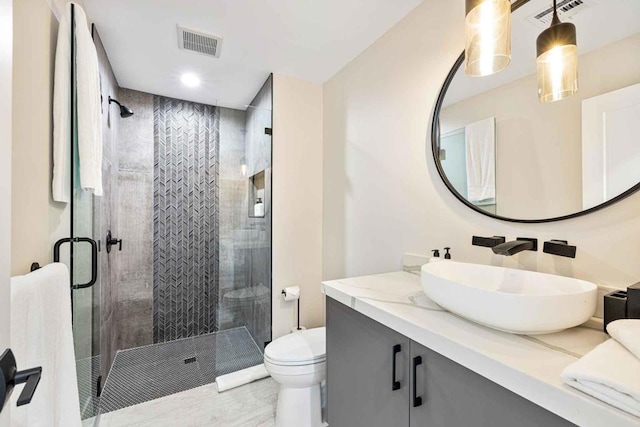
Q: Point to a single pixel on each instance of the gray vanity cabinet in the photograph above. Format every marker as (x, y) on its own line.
(452, 395)
(446, 394)
(360, 376)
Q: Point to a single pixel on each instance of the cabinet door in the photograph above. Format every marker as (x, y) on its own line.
(452, 395)
(360, 374)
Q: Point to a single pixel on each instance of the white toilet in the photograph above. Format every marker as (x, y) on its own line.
(298, 363)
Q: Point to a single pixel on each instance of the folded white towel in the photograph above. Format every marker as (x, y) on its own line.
(627, 333)
(609, 373)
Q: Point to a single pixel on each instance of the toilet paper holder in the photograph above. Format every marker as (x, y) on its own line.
(297, 299)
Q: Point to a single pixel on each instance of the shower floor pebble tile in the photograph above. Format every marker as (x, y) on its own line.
(145, 373)
(252, 405)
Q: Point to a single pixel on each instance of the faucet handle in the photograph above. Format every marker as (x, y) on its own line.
(488, 242)
(560, 248)
(436, 253)
(447, 255)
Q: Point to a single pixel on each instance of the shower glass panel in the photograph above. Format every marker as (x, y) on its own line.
(244, 306)
(191, 200)
(85, 301)
(83, 262)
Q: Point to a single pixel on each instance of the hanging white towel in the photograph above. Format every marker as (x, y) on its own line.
(609, 373)
(88, 104)
(480, 142)
(627, 333)
(41, 335)
(61, 184)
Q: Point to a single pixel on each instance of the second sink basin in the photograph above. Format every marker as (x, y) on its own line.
(515, 301)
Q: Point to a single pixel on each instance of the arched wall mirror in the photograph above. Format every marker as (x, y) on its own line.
(506, 155)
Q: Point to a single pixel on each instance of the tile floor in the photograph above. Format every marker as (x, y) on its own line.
(146, 373)
(88, 371)
(252, 405)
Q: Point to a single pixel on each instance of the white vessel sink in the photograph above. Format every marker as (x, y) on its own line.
(515, 301)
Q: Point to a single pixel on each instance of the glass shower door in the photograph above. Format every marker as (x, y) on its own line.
(85, 300)
(83, 265)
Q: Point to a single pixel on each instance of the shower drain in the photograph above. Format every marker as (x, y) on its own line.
(189, 360)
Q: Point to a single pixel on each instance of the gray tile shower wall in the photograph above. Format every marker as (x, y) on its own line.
(134, 276)
(233, 267)
(105, 298)
(258, 144)
(185, 221)
(249, 302)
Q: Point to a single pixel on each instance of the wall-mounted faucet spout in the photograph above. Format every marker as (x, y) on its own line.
(516, 246)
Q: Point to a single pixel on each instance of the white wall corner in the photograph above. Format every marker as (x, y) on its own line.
(297, 201)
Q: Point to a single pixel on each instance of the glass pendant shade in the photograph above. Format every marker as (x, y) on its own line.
(557, 62)
(488, 36)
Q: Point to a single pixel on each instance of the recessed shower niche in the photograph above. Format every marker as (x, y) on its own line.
(257, 193)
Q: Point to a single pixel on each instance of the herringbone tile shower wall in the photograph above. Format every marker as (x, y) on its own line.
(185, 219)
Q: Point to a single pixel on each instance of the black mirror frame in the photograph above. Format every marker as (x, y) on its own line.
(435, 147)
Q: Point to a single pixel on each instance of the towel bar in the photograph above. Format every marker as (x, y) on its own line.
(11, 377)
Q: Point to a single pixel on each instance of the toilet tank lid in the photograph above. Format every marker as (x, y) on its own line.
(297, 347)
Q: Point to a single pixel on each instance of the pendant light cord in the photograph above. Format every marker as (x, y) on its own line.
(555, 20)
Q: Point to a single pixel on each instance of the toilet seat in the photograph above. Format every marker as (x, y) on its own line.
(313, 369)
(298, 349)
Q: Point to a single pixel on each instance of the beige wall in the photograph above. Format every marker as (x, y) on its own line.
(382, 195)
(297, 200)
(6, 44)
(37, 220)
(544, 141)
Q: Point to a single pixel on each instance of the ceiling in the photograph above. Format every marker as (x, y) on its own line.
(600, 23)
(307, 39)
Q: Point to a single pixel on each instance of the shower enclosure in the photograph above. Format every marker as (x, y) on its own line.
(182, 290)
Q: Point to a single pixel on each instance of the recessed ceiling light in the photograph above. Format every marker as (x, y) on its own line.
(190, 80)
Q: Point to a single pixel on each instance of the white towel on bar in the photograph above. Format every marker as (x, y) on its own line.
(627, 333)
(480, 142)
(89, 109)
(41, 335)
(609, 373)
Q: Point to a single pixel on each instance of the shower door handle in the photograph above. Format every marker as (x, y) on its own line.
(94, 258)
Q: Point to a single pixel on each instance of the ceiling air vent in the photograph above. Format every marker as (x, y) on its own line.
(197, 41)
(566, 10)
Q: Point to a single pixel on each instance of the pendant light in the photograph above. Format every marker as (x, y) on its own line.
(557, 60)
(488, 36)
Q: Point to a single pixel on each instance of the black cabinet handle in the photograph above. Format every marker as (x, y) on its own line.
(395, 385)
(417, 400)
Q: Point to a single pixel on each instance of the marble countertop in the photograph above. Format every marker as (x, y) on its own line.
(529, 366)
